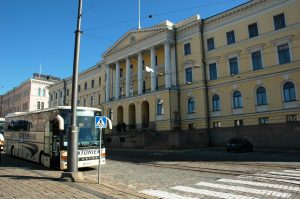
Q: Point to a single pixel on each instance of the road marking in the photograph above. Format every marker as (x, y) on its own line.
(245, 189)
(164, 194)
(270, 178)
(284, 173)
(211, 193)
(261, 184)
(276, 176)
(291, 171)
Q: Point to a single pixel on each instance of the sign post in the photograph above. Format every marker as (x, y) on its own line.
(100, 122)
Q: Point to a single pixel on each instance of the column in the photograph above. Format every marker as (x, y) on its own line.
(140, 73)
(127, 76)
(153, 67)
(117, 83)
(107, 88)
(167, 65)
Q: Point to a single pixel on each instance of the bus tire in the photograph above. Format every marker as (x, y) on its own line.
(41, 157)
(12, 151)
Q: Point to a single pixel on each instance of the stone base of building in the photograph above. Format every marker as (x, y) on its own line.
(270, 136)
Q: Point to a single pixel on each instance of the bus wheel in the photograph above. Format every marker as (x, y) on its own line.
(12, 151)
(41, 157)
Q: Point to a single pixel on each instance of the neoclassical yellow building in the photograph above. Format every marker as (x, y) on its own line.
(200, 81)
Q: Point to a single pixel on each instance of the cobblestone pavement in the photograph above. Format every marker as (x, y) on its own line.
(156, 179)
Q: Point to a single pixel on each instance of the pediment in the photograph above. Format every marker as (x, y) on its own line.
(133, 37)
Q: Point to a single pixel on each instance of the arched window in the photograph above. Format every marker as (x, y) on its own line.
(38, 105)
(39, 91)
(237, 100)
(216, 103)
(42, 105)
(191, 105)
(261, 96)
(160, 107)
(289, 92)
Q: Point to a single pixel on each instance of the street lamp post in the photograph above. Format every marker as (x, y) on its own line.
(72, 160)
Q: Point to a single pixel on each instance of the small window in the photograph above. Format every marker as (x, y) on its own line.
(38, 105)
(217, 124)
(279, 21)
(78, 102)
(99, 99)
(263, 120)
(216, 103)
(253, 31)
(191, 105)
(238, 123)
(210, 44)
(289, 92)
(99, 81)
(284, 54)
(68, 92)
(160, 108)
(261, 96)
(92, 83)
(156, 60)
(78, 88)
(84, 102)
(42, 105)
(85, 86)
(237, 100)
(60, 94)
(256, 60)
(213, 71)
(56, 95)
(230, 37)
(187, 49)
(233, 64)
(189, 75)
(191, 126)
(292, 118)
(92, 101)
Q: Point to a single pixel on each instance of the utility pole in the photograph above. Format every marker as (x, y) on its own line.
(72, 160)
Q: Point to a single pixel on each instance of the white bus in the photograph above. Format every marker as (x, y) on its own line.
(42, 136)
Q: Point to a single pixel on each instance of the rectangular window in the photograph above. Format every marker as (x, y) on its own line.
(144, 86)
(92, 83)
(233, 64)
(253, 30)
(56, 95)
(60, 94)
(238, 123)
(187, 49)
(279, 21)
(263, 120)
(156, 60)
(230, 37)
(68, 92)
(256, 60)
(284, 54)
(210, 44)
(99, 99)
(121, 72)
(213, 71)
(189, 75)
(99, 81)
(85, 86)
(78, 88)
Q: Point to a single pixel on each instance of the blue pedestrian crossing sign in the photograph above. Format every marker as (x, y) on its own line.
(100, 122)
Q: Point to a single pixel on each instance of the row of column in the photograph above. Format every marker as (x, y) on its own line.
(168, 80)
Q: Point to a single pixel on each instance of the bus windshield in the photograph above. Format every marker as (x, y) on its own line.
(88, 134)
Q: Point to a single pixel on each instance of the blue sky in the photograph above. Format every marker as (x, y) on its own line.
(41, 32)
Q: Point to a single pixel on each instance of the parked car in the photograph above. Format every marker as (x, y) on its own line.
(239, 145)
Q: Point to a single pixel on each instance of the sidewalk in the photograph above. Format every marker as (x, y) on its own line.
(21, 179)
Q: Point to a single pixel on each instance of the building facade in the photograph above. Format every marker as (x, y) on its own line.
(203, 81)
(30, 95)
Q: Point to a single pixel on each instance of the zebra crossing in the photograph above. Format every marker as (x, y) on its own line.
(273, 184)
